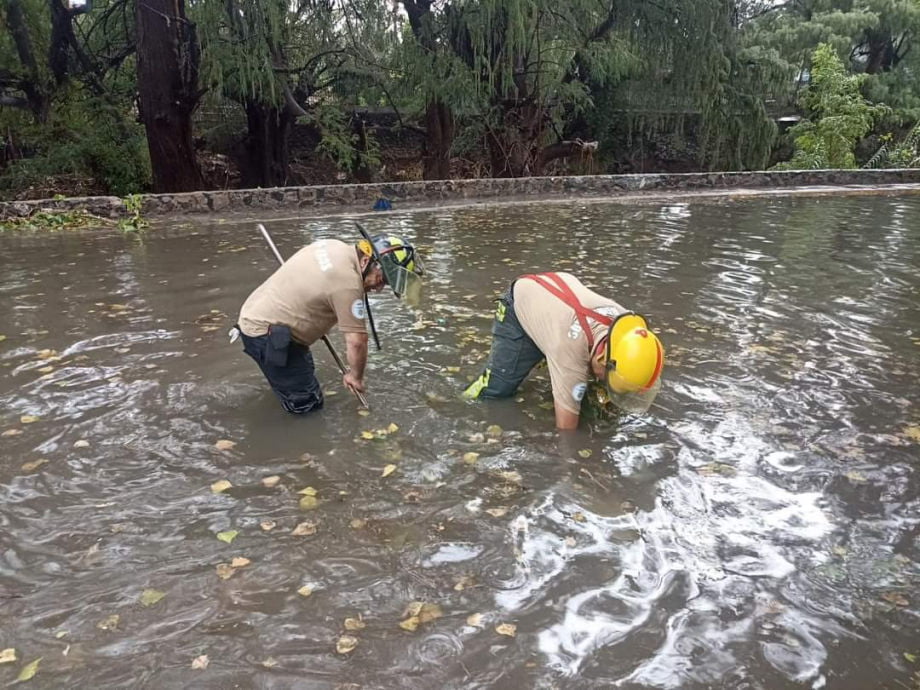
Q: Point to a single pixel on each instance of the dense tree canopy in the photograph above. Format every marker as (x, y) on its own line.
(115, 95)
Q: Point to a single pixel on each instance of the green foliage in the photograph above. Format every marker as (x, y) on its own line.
(84, 138)
(901, 154)
(339, 141)
(135, 221)
(837, 116)
(45, 220)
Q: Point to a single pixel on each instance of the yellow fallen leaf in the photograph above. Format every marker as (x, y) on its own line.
(304, 529)
(61, 633)
(268, 525)
(33, 465)
(200, 663)
(7, 655)
(388, 470)
(270, 482)
(47, 354)
(497, 512)
(149, 597)
(225, 571)
(470, 458)
(220, 486)
(392, 428)
(270, 662)
(224, 444)
(896, 598)
(2, 338)
(239, 562)
(355, 624)
(494, 430)
(367, 435)
(108, 623)
(28, 671)
(308, 503)
(82, 443)
(46, 370)
(305, 591)
(346, 644)
(464, 582)
(579, 517)
(364, 413)
(912, 432)
(309, 491)
(410, 623)
(452, 370)
(585, 452)
(228, 536)
(357, 523)
(11, 432)
(509, 629)
(475, 620)
(28, 419)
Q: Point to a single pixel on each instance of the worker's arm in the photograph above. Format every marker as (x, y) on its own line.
(565, 419)
(356, 354)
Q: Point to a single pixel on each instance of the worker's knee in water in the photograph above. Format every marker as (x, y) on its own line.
(301, 402)
(490, 385)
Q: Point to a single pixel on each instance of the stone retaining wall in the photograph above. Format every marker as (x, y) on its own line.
(322, 197)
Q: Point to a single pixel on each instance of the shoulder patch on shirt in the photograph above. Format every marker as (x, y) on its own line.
(357, 308)
(578, 391)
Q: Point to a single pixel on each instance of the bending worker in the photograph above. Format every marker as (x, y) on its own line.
(580, 334)
(324, 284)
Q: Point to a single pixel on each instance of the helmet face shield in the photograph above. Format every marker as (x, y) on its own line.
(633, 361)
(399, 262)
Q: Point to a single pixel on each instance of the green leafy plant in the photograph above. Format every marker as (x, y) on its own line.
(837, 116)
(135, 221)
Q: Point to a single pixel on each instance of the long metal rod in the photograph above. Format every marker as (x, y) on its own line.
(335, 355)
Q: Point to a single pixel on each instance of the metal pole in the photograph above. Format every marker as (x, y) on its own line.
(335, 355)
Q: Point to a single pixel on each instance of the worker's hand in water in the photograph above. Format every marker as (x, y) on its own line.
(353, 382)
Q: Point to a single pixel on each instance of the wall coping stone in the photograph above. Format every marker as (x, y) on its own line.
(323, 198)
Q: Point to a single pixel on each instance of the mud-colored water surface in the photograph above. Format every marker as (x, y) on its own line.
(757, 529)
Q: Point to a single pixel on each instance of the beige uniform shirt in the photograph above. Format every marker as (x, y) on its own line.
(556, 330)
(319, 286)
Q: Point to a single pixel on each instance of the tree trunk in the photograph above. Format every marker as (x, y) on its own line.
(32, 85)
(267, 146)
(439, 137)
(167, 82)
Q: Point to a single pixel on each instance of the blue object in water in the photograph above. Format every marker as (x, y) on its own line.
(382, 204)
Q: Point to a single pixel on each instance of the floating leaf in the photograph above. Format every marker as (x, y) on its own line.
(497, 512)
(355, 623)
(410, 624)
(305, 591)
(470, 458)
(304, 529)
(239, 562)
(268, 525)
(82, 443)
(452, 370)
(912, 658)
(33, 465)
(357, 523)
(271, 482)
(367, 435)
(11, 432)
(200, 663)
(309, 491)
(45, 370)
(2, 338)
(392, 428)
(225, 571)
(308, 503)
(912, 432)
(151, 596)
(856, 477)
(228, 536)
(109, 623)
(7, 655)
(474, 619)
(585, 452)
(494, 430)
(464, 582)
(364, 413)
(224, 444)
(579, 517)
(220, 486)
(28, 419)
(28, 671)
(388, 470)
(896, 598)
(509, 629)
(346, 644)
(270, 662)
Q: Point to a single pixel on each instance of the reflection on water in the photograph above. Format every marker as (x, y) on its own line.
(757, 530)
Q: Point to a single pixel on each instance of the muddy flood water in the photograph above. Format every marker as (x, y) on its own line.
(758, 528)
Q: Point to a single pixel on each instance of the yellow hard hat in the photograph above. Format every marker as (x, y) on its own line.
(634, 355)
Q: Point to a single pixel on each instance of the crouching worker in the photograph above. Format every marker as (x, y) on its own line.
(324, 284)
(581, 334)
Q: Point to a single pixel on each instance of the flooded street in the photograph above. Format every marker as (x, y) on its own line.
(757, 529)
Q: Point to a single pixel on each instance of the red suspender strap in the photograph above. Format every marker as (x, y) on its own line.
(556, 286)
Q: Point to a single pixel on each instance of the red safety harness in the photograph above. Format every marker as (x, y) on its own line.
(556, 286)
